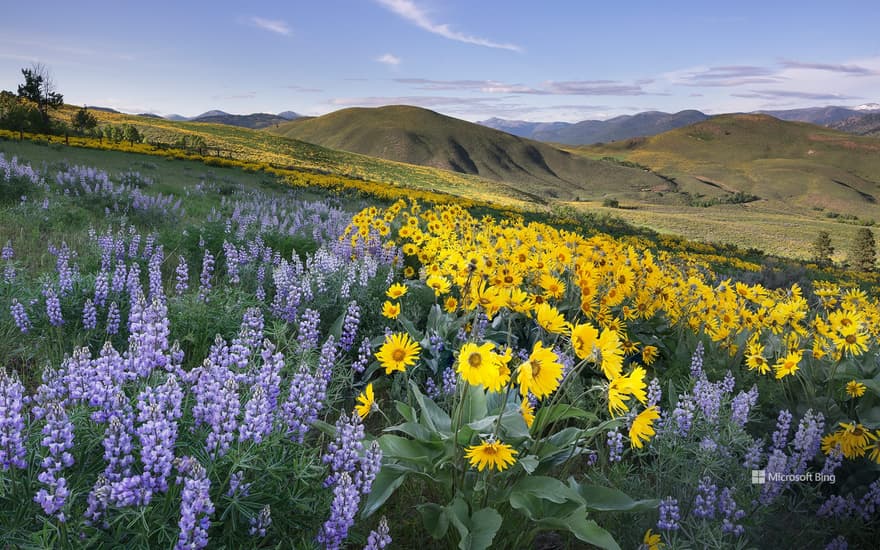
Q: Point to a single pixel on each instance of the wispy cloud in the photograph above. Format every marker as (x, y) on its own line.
(855, 70)
(416, 15)
(298, 88)
(389, 59)
(272, 25)
(571, 87)
(777, 94)
(728, 76)
(422, 101)
(242, 95)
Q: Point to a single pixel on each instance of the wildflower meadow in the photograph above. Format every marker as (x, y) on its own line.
(198, 357)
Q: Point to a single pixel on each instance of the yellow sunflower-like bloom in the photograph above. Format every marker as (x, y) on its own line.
(611, 353)
(498, 378)
(643, 427)
(550, 319)
(851, 438)
(622, 387)
(755, 358)
(390, 310)
(398, 352)
(528, 413)
(494, 454)
(395, 291)
(855, 389)
(540, 374)
(651, 541)
(475, 363)
(583, 339)
(365, 401)
(787, 365)
(439, 284)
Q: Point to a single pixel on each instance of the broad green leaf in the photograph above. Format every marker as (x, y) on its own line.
(484, 524)
(528, 463)
(434, 519)
(433, 416)
(474, 406)
(412, 429)
(405, 411)
(546, 488)
(607, 499)
(584, 529)
(386, 482)
(457, 512)
(411, 450)
(557, 413)
(484, 424)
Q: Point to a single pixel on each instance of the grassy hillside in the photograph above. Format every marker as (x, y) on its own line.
(255, 120)
(419, 136)
(798, 165)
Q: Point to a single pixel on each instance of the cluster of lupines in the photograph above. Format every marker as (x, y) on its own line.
(195, 505)
(12, 449)
(307, 394)
(58, 440)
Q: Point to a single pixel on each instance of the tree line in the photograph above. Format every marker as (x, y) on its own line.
(862, 254)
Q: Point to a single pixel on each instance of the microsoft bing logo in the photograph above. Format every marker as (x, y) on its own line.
(758, 477)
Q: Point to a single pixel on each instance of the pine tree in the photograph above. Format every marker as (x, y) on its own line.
(863, 256)
(822, 248)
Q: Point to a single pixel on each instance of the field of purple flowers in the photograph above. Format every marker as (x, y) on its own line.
(182, 360)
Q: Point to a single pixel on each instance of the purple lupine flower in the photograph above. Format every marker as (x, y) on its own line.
(20, 316)
(450, 380)
(117, 284)
(728, 383)
(777, 463)
(754, 455)
(380, 538)
(133, 282)
(223, 420)
(742, 404)
(236, 486)
(708, 444)
(259, 524)
(308, 329)
(837, 507)
(148, 246)
(232, 262)
(53, 307)
(614, 440)
(154, 271)
(669, 515)
(249, 336)
(370, 465)
(7, 253)
(134, 244)
(261, 277)
(90, 315)
(149, 329)
(304, 401)
(343, 453)
(707, 396)
(697, 362)
(837, 543)
(807, 441)
(52, 390)
(257, 422)
(870, 501)
(654, 392)
(12, 449)
(704, 502)
(195, 505)
(102, 288)
(780, 436)
(730, 513)
(158, 411)
(118, 437)
(683, 415)
(66, 274)
(270, 373)
(113, 319)
(365, 353)
(350, 324)
(832, 461)
(346, 499)
(181, 275)
(205, 277)
(97, 501)
(58, 439)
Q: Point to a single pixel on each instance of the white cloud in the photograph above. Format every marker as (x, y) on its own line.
(416, 15)
(271, 25)
(389, 59)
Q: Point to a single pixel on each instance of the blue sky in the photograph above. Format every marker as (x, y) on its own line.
(470, 59)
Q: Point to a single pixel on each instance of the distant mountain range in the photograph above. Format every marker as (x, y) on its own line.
(254, 121)
(651, 123)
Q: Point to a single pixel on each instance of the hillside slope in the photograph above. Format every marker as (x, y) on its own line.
(797, 165)
(419, 136)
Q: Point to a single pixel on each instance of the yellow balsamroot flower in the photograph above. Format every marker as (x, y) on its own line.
(450, 304)
(439, 284)
(755, 358)
(540, 374)
(787, 365)
(494, 454)
(643, 427)
(851, 438)
(650, 354)
(550, 319)
(621, 388)
(852, 340)
(651, 541)
(584, 338)
(398, 352)
(365, 401)
(391, 309)
(395, 291)
(409, 272)
(873, 450)
(475, 363)
(553, 287)
(500, 375)
(528, 413)
(610, 353)
(855, 389)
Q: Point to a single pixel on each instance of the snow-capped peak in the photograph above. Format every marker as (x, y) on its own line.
(868, 107)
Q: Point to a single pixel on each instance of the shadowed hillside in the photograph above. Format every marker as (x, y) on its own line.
(419, 136)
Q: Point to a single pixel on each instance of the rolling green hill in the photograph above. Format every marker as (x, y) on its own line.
(419, 136)
(796, 165)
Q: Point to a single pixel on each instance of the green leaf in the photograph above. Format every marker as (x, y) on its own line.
(433, 416)
(386, 482)
(584, 529)
(474, 406)
(410, 450)
(457, 512)
(484, 524)
(528, 463)
(405, 411)
(412, 429)
(434, 519)
(560, 412)
(546, 488)
(607, 499)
